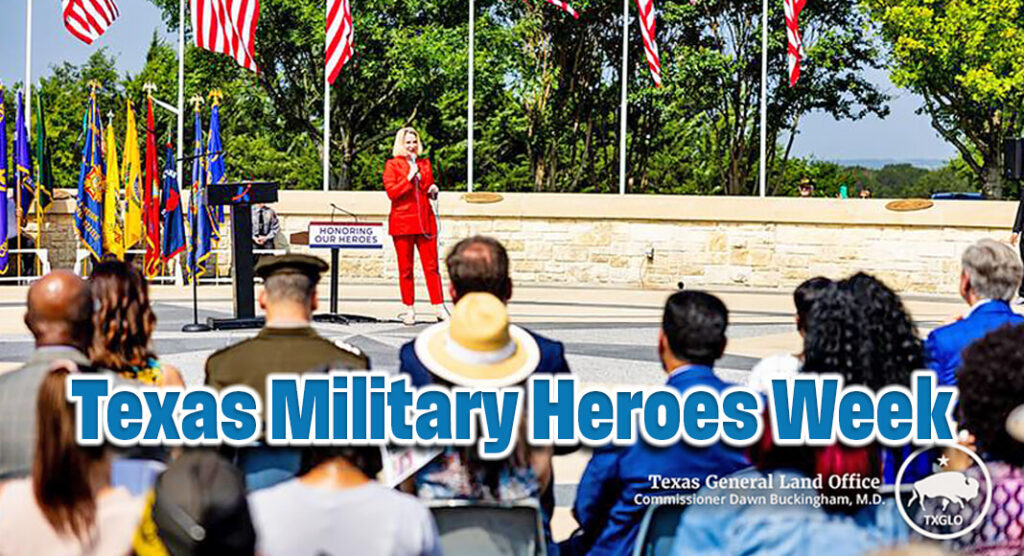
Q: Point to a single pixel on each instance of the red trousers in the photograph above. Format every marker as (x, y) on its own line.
(427, 246)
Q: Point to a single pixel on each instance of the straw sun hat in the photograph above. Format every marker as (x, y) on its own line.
(477, 347)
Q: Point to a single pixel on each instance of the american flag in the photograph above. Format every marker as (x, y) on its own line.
(565, 7)
(339, 37)
(647, 17)
(795, 43)
(228, 27)
(88, 19)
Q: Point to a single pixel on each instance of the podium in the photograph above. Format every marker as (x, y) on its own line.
(240, 197)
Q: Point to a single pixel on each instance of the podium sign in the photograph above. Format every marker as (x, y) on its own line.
(346, 235)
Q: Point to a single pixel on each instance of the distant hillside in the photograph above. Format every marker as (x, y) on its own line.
(878, 163)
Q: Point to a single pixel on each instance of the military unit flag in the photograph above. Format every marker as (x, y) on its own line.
(22, 165)
(3, 185)
(132, 182)
(215, 163)
(113, 230)
(151, 200)
(90, 184)
(44, 165)
(200, 219)
(171, 212)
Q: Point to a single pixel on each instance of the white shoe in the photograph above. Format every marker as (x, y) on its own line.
(1019, 301)
(441, 313)
(408, 318)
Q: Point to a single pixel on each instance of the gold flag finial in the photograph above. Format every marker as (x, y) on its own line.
(196, 101)
(149, 87)
(216, 96)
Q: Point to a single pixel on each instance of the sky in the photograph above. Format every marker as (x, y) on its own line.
(901, 136)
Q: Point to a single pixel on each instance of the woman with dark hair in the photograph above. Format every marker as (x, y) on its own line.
(124, 323)
(67, 506)
(991, 387)
(896, 349)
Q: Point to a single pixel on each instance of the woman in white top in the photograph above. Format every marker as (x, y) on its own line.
(67, 506)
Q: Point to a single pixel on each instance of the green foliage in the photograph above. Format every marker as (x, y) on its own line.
(966, 58)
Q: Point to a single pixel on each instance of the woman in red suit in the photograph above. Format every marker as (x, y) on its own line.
(409, 183)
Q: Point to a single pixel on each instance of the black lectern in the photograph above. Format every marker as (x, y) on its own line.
(240, 197)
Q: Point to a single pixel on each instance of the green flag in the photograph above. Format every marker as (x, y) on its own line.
(44, 179)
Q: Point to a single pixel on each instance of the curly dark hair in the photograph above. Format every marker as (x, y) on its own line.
(834, 339)
(991, 381)
(123, 318)
(894, 347)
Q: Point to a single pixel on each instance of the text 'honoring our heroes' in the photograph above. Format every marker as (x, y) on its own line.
(369, 408)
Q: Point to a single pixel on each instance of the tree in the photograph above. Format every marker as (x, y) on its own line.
(966, 58)
(409, 68)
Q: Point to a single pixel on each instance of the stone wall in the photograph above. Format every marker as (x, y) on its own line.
(572, 239)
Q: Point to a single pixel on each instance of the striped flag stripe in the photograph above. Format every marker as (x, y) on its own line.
(227, 27)
(794, 43)
(647, 25)
(566, 7)
(339, 37)
(87, 20)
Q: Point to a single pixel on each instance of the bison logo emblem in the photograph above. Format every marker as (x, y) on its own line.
(950, 486)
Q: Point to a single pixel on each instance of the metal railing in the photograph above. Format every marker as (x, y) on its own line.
(43, 256)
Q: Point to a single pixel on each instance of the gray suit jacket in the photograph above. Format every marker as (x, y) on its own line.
(18, 391)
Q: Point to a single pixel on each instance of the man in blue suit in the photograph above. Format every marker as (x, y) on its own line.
(480, 264)
(991, 273)
(609, 504)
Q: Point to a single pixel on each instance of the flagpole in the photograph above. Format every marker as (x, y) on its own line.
(623, 102)
(469, 114)
(28, 71)
(181, 87)
(761, 172)
(327, 129)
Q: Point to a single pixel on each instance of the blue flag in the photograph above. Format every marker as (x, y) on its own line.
(3, 185)
(216, 162)
(91, 179)
(171, 212)
(23, 163)
(201, 219)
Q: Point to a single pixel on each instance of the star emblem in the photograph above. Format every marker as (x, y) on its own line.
(943, 461)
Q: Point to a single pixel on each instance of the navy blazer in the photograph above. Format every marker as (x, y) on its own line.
(606, 506)
(552, 360)
(945, 344)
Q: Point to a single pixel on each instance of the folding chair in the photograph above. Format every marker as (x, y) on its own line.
(489, 528)
(658, 530)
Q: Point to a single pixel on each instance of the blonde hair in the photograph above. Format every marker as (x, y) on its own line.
(399, 148)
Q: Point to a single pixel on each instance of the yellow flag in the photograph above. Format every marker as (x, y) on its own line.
(113, 231)
(132, 182)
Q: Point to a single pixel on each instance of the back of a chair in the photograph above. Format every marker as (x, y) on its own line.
(658, 530)
(489, 529)
(136, 475)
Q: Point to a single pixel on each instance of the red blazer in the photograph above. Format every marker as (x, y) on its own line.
(411, 212)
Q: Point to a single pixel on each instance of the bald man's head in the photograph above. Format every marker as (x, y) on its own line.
(479, 264)
(60, 310)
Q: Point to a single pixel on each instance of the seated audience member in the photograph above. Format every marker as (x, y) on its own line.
(338, 508)
(691, 339)
(124, 323)
(793, 529)
(287, 344)
(67, 506)
(879, 347)
(991, 381)
(893, 349)
(785, 365)
(990, 275)
(480, 264)
(59, 315)
(478, 348)
(197, 507)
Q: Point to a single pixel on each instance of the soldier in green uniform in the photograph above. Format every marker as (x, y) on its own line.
(287, 343)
